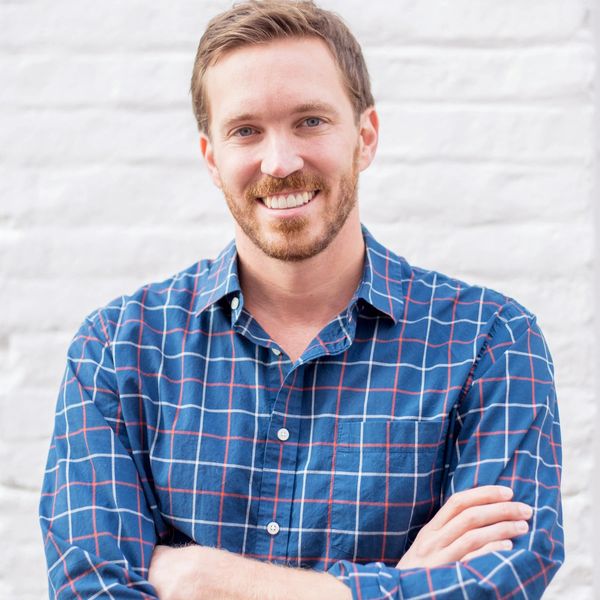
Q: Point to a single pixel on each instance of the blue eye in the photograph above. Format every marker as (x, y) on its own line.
(244, 131)
(313, 121)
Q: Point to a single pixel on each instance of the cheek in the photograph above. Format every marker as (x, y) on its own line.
(334, 156)
(237, 173)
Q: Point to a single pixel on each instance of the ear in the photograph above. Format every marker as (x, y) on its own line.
(209, 158)
(368, 137)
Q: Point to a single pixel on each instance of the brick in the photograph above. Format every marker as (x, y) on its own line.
(38, 305)
(75, 282)
(502, 251)
(574, 579)
(22, 563)
(159, 80)
(113, 195)
(35, 360)
(463, 21)
(442, 74)
(25, 569)
(59, 137)
(17, 186)
(96, 26)
(23, 506)
(577, 508)
(577, 429)
(104, 252)
(483, 133)
(23, 464)
(97, 80)
(139, 25)
(467, 194)
(28, 414)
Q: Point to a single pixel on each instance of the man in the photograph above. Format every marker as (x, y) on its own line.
(307, 416)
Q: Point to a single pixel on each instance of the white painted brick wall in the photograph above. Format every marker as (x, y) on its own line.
(486, 171)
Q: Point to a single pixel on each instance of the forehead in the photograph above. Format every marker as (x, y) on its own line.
(268, 77)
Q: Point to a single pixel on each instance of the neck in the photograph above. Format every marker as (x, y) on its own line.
(309, 292)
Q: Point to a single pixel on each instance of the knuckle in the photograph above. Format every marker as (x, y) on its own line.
(470, 518)
(426, 546)
(507, 511)
(457, 501)
(470, 539)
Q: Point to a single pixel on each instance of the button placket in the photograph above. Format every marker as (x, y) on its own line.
(277, 484)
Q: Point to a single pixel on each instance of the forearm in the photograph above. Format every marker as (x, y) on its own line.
(201, 573)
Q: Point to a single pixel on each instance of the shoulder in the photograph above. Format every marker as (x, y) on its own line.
(495, 324)
(176, 294)
(457, 300)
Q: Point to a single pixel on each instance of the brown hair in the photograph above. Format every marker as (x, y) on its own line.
(261, 21)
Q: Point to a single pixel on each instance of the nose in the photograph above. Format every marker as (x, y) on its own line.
(281, 157)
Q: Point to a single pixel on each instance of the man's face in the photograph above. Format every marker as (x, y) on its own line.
(284, 144)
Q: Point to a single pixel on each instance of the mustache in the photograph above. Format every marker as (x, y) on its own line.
(269, 186)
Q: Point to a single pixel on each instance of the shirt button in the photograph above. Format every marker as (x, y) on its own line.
(273, 528)
(276, 351)
(235, 302)
(283, 434)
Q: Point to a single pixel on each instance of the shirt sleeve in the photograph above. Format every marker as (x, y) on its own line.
(98, 529)
(505, 431)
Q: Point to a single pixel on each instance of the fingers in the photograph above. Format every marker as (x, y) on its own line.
(459, 502)
(476, 517)
(470, 523)
(491, 547)
(477, 539)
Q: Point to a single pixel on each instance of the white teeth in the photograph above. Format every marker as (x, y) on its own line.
(289, 200)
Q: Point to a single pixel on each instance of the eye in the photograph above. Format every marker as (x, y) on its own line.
(244, 132)
(313, 121)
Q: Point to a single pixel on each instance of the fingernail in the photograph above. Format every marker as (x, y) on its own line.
(507, 545)
(506, 492)
(522, 526)
(526, 511)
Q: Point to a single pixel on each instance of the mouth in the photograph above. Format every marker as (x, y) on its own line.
(288, 200)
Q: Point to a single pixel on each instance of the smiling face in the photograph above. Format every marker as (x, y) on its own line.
(285, 145)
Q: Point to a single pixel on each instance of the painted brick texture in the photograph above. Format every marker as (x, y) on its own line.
(485, 172)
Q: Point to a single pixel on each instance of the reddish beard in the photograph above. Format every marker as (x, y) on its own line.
(270, 186)
(294, 242)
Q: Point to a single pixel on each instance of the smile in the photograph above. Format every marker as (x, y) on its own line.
(283, 201)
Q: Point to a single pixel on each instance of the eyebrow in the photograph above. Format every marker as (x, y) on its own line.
(305, 107)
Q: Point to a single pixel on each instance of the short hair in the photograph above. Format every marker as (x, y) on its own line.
(261, 21)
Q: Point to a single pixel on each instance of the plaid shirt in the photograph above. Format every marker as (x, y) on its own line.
(180, 420)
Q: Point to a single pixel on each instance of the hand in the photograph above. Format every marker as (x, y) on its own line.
(471, 523)
(171, 572)
(199, 573)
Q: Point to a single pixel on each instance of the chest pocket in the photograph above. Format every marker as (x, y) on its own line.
(386, 485)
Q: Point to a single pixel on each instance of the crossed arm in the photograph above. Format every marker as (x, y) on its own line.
(470, 524)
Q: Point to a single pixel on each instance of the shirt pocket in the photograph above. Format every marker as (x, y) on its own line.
(387, 483)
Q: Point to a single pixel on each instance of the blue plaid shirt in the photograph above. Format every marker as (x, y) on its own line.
(179, 420)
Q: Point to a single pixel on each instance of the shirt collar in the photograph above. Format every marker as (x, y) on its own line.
(381, 285)
(220, 281)
(382, 281)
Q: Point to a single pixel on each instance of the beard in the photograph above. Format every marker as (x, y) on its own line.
(289, 239)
